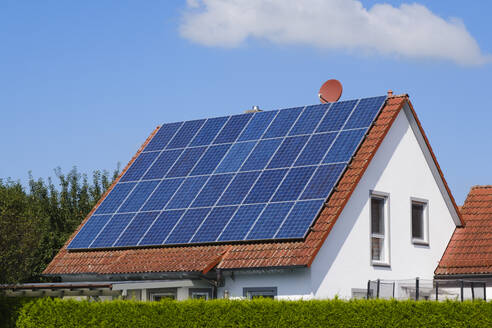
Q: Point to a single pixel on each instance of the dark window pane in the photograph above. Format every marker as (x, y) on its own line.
(418, 221)
(377, 216)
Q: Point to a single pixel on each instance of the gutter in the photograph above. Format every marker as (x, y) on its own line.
(463, 276)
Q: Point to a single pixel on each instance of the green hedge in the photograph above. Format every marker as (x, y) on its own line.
(9, 310)
(257, 313)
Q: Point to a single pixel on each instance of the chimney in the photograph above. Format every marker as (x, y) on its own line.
(390, 93)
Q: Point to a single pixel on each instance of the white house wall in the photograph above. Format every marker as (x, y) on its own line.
(399, 169)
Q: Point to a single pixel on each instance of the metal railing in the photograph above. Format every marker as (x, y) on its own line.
(427, 289)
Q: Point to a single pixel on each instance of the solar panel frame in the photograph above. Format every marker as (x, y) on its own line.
(237, 138)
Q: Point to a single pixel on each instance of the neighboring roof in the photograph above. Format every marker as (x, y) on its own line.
(244, 255)
(469, 251)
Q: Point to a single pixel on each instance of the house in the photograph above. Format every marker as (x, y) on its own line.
(469, 253)
(368, 200)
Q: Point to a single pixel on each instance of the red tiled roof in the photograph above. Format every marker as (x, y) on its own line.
(470, 248)
(234, 256)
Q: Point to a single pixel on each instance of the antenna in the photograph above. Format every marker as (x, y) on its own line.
(330, 91)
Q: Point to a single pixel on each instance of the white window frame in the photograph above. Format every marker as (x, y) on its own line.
(171, 293)
(425, 229)
(206, 292)
(385, 261)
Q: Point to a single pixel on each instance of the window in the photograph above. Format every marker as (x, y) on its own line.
(420, 233)
(379, 230)
(266, 292)
(164, 293)
(200, 293)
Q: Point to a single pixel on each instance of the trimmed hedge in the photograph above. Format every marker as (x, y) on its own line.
(257, 313)
(9, 310)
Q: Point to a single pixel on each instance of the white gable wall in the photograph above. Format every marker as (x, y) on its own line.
(399, 169)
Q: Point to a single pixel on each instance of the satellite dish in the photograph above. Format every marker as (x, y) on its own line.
(330, 91)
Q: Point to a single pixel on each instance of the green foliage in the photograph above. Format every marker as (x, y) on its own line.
(9, 310)
(256, 313)
(34, 224)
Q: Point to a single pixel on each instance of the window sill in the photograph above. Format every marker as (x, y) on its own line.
(380, 264)
(420, 242)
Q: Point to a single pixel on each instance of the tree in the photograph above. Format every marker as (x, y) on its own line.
(34, 224)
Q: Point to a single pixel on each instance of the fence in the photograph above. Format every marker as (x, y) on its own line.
(427, 289)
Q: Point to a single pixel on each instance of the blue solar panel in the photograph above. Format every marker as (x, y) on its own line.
(266, 185)
(365, 112)
(337, 116)
(187, 226)
(185, 134)
(139, 167)
(161, 228)
(86, 235)
(256, 176)
(138, 196)
(213, 225)
(162, 194)
(163, 136)
(315, 149)
(241, 222)
(187, 192)
(257, 126)
(112, 230)
(344, 146)
(210, 159)
(323, 181)
(309, 119)
(282, 123)
(300, 219)
(115, 198)
(186, 162)
(163, 163)
(135, 230)
(261, 155)
(233, 128)
(288, 152)
(294, 183)
(239, 188)
(209, 131)
(235, 157)
(269, 221)
(212, 190)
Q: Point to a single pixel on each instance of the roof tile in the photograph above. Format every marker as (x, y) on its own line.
(470, 248)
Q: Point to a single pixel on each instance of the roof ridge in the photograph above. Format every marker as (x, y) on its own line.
(481, 187)
(403, 95)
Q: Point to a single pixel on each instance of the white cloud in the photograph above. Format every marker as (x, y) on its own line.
(410, 30)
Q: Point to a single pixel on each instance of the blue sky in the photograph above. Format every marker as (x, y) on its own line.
(84, 83)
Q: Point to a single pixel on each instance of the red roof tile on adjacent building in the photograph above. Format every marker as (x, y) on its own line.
(236, 256)
(470, 248)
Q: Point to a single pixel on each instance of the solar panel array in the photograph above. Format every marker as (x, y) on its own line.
(256, 176)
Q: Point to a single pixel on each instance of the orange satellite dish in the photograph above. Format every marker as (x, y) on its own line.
(330, 91)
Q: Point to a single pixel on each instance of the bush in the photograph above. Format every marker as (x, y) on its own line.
(256, 313)
(9, 310)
